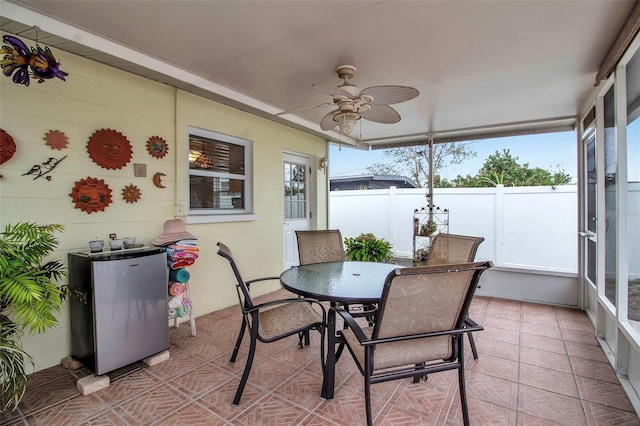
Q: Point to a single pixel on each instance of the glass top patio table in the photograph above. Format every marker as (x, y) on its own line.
(343, 282)
(338, 283)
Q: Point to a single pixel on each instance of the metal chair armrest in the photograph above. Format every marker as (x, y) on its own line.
(287, 301)
(420, 336)
(351, 322)
(255, 280)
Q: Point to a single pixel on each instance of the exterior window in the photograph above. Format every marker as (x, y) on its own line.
(219, 174)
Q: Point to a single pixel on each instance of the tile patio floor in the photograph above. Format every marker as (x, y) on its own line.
(539, 365)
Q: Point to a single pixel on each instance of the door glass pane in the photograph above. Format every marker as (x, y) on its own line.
(591, 183)
(295, 204)
(591, 261)
(633, 184)
(610, 196)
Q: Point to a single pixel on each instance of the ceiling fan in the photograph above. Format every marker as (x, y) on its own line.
(353, 104)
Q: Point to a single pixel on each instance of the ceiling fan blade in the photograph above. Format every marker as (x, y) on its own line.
(381, 114)
(327, 122)
(331, 90)
(387, 95)
(305, 108)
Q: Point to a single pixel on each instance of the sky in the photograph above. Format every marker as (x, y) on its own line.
(547, 151)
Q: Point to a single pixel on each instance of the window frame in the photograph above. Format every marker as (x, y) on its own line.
(222, 215)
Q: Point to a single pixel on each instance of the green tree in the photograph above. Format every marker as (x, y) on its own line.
(413, 161)
(504, 169)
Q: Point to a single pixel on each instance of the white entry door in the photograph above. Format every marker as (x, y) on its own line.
(296, 204)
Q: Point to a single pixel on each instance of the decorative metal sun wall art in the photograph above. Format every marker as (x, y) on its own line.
(109, 149)
(91, 195)
(131, 193)
(56, 139)
(7, 146)
(157, 147)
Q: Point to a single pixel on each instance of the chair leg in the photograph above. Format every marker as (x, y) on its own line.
(367, 400)
(236, 348)
(461, 384)
(472, 342)
(247, 370)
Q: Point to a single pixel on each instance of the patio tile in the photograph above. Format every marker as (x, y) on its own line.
(601, 415)
(534, 380)
(550, 406)
(491, 389)
(541, 330)
(156, 404)
(551, 380)
(594, 370)
(546, 359)
(271, 410)
(73, 411)
(480, 413)
(542, 342)
(587, 351)
(191, 414)
(49, 394)
(604, 393)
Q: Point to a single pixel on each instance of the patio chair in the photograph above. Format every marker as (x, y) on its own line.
(419, 327)
(317, 246)
(452, 248)
(271, 321)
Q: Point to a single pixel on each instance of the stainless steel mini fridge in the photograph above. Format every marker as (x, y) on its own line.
(125, 318)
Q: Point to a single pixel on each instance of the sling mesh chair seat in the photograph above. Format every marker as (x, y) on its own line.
(271, 321)
(318, 246)
(418, 328)
(454, 249)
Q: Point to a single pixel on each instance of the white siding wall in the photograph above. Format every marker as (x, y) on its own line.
(96, 96)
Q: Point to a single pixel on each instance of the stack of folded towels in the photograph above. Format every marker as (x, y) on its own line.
(180, 254)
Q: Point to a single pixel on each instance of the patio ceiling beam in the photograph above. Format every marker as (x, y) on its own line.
(561, 124)
(620, 46)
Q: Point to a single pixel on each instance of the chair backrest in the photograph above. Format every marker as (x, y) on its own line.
(319, 246)
(453, 249)
(423, 300)
(243, 291)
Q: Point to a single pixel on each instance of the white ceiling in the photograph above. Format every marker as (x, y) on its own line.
(475, 63)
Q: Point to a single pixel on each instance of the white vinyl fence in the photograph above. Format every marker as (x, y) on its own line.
(524, 227)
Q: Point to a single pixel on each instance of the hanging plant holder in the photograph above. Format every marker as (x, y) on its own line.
(109, 149)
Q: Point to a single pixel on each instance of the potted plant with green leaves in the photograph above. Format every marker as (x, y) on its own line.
(29, 299)
(368, 248)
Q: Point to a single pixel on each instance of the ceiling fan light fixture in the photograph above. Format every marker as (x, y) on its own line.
(346, 121)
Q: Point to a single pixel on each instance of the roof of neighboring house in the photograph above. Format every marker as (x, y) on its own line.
(346, 183)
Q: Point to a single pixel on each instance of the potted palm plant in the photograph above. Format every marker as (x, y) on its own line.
(29, 299)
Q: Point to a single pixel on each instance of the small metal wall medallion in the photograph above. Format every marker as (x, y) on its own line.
(91, 195)
(131, 194)
(56, 139)
(44, 168)
(7, 146)
(157, 147)
(157, 180)
(109, 149)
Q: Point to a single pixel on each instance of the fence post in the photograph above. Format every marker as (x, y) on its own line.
(499, 225)
(393, 234)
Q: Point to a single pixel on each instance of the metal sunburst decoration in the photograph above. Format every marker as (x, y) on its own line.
(131, 194)
(56, 139)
